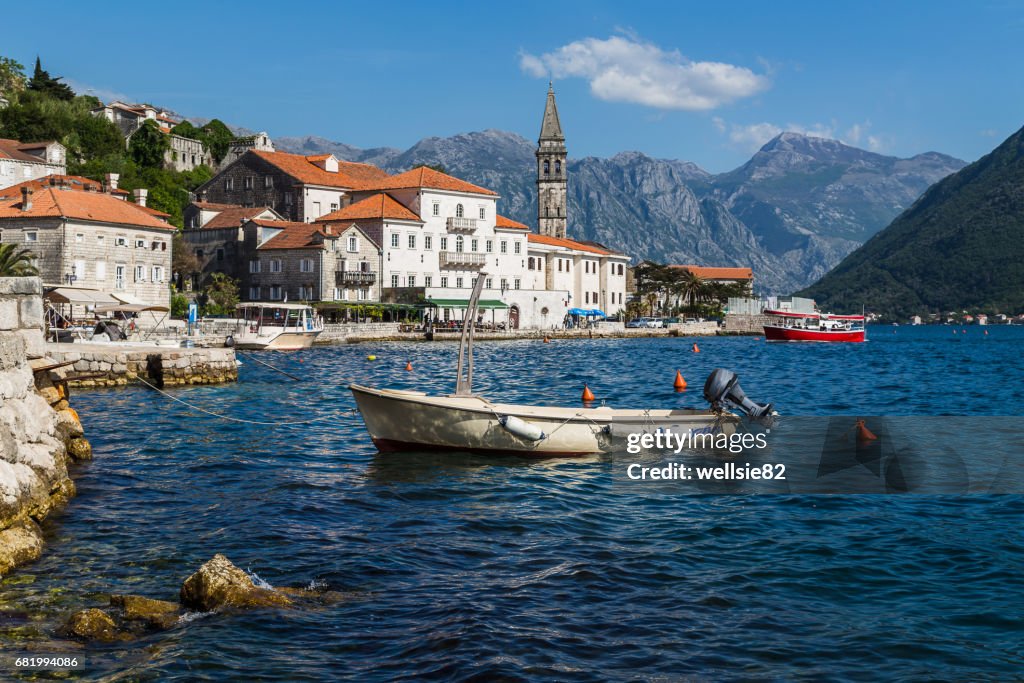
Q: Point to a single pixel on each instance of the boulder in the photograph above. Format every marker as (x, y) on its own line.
(79, 448)
(93, 624)
(219, 584)
(158, 614)
(20, 543)
(319, 597)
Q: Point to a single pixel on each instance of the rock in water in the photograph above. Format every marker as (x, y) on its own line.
(219, 583)
(159, 614)
(93, 624)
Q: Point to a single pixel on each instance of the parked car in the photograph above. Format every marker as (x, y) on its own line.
(655, 322)
(691, 320)
(636, 323)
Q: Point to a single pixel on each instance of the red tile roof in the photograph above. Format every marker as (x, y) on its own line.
(502, 222)
(349, 175)
(428, 178)
(233, 216)
(292, 235)
(568, 244)
(71, 203)
(720, 273)
(378, 206)
(153, 212)
(13, 149)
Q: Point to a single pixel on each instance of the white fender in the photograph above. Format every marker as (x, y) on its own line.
(521, 428)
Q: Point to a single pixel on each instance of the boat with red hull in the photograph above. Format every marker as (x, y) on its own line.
(814, 327)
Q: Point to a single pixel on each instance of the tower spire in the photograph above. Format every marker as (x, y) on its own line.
(551, 171)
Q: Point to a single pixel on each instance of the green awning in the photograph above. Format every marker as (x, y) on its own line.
(484, 305)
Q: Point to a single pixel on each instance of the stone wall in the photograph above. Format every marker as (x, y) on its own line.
(737, 323)
(337, 333)
(40, 433)
(99, 365)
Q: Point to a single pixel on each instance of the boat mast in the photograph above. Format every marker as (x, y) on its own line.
(464, 385)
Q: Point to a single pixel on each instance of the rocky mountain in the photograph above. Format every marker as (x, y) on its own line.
(792, 212)
(959, 247)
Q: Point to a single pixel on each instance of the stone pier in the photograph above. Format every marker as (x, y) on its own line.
(106, 365)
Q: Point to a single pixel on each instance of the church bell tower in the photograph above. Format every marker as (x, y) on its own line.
(551, 172)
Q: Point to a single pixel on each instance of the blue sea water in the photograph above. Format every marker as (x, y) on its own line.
(458, 567)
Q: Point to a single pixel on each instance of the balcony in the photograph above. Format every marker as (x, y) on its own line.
(355, 277)
(461, 259)
(456, 224)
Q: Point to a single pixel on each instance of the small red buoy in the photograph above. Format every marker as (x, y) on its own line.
(546, 340)
(680, 383)
(696, 349)
(986, 332)
(588, 395)
(408, 366)
(863, 433)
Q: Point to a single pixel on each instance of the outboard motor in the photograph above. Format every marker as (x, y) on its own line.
(723, 385)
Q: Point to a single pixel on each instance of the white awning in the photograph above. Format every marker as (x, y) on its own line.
(79, 296)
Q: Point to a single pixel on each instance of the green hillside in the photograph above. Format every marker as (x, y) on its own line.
(960, 246)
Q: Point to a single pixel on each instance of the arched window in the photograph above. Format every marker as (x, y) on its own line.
(530, 263)
(459, 213)
(558, 167)
(547, 168)
(459, 242)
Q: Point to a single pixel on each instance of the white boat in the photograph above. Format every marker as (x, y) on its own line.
(278, 326)
(400, 420)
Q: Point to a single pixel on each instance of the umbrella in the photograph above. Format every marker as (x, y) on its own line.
(577, 311)
(597, 313)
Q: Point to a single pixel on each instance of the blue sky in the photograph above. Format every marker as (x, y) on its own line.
(705, 82)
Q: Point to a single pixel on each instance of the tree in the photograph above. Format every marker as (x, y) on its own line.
(184, 263)
(148, 145)
(16, 262)
(217, 137)
(692, 288)
(12, 76)
(42, 82)
(221, 294)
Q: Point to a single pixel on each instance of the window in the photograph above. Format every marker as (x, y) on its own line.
(79, 238)
(140, 273)
(559, 265)
(504, 284)
(428, 281)
(353, 243)
(474, 245)
(364, 293)
(101, 241)
(459, 211)
(410, 281)
(517, 247)
(586, 297)
(489, 283)
(394, 280)
(220, 254)
(529, 263)
(558, 167)
(547, 167)
(444, 244)
(78, 270)
(458, 283)
(31, 236)
(460, 244)
(428, 242)
(305, 292)
(504, 246)
(343, 294)
(593, 297)
(306, 265)
(444, 281)
(120, 241)
(412, 241)
(119, 273)
(394, 240)
(254, 265)
(472, 282)
(101, 271)
(199, 254)
(254, 293)
(248, 182)
(489, 246)
(620, 272)
(437, 209)
(289, 198)
(334, 206)
(483, 213)
(275, 292)
(158, 273)
(516, 283)
(229, 184)
(316, 209)
(268, 182)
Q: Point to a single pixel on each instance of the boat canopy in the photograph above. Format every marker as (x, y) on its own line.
(271, 304)
(484, 304)
(791, 314)
(130, 308)
(80, 297)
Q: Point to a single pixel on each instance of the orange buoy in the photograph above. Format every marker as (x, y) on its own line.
(696, 349)
(408, 366)
(863, 433)
(588, 395)
(680, 383)
(546, 340)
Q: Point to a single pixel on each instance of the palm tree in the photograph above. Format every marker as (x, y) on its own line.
(693, 288)
(16, 262)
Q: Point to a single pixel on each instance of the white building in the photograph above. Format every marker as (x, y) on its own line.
(22, 161)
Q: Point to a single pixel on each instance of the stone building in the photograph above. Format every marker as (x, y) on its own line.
(84, 236)
(299, 188)
(21, 161)
(184, 154)
(259, 142)
(552, 175)
(214, 234)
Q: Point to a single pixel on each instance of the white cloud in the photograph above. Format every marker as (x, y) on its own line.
(626, 69)
(752, 137)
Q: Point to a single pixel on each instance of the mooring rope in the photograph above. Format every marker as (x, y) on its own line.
(192, 406)
(252, 357)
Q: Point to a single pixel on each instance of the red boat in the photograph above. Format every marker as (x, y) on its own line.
(814, 327)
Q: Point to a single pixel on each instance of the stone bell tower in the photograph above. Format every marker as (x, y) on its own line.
(551, 172)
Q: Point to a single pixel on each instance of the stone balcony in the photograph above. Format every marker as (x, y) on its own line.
(355, 277)
(456, 224)
(461, 259)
